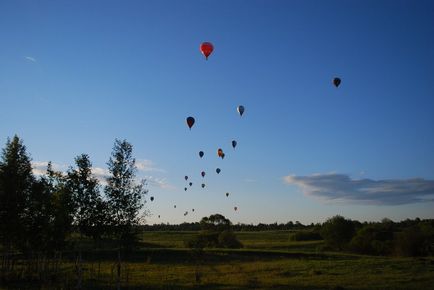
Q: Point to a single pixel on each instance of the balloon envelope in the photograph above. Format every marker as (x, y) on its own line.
(234, 144)
(201, 154)
(186, 177)
(185, 188)
(218, 170)
(206, 48)
(152, 198)
(203, 185)
(227, 193)
(202, 173)
(190, 122)
(336, 82)
(240, 110)
(220, 152)
(235, 208)
(191, 183)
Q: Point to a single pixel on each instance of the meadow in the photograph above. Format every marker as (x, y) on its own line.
(269, 260)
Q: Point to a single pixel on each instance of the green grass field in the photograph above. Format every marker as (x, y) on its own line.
(269, 260)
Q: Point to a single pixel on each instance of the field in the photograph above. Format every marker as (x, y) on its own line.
(269, 260)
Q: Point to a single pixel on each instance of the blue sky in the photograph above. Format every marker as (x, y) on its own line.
(75, 75)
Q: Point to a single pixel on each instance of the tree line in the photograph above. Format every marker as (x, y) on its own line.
(38, 214)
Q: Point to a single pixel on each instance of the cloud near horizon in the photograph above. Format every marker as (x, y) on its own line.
(39, 168)
(341, 188)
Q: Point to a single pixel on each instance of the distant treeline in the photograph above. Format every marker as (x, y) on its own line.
(195, 226)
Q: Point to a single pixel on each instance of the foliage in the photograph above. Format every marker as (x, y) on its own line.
(91, 210)
(125, 196)
(306, 235)
(215, 232)
(337, 232)
(16, 182)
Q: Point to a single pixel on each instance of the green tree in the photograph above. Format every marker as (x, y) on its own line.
(125, 196)
(337, 232)
(16, 181)
(91, 210)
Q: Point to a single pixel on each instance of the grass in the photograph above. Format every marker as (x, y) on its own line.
(270, 260)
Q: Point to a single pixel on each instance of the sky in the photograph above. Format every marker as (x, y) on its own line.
(76, 75)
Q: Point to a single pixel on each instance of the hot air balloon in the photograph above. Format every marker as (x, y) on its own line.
(220, 152)
(191, 183)
(152, 198)
(336, 82)
(234, 144)
(192, 210)
(223, 156)
(227, 194)
(240, 110)
(218, 170)
(203, 185)
(174, 206)
(206, 48)
(186, 177)
(185, 188)
(158, 216)
(190, 122)
(201, 154)
(202, 173)
(235, 208)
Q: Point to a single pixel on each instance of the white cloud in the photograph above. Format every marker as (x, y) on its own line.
(158, 182)
(334, 187)
(40, 167)
(147, 166)
(29, 58)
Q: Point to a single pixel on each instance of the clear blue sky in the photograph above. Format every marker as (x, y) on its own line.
(75, 75)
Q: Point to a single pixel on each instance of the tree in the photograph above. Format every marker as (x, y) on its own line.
(125, 196)
(91, 210)
(216, 231)
(337, 232)
(16, 181)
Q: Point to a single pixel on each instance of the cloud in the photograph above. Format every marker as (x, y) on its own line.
(334, 187)
(29, 58)
(147, 166)
(158, 182)
(40, 167)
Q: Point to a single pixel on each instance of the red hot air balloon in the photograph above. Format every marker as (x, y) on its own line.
(206, 48)
(190, 122)
(220, 152)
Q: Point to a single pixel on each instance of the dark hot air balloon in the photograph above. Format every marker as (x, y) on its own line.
(240, 110)
(235, 208)
(206, 48)
(234, 144)
(185, 188)
(152, 198)
(186, 177)
(223, 156)
(218, 170)
(192, 210)
(201, 154)
(227, 194)
(203, 185)
(191, 183)
(336, 82)
(202, 173)
(190, 122)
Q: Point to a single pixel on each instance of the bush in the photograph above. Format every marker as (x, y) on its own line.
(227, 239)
(373, 240)
(337, 232)
(305, 236)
